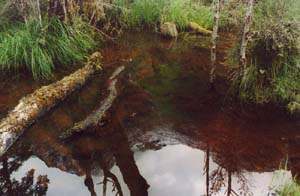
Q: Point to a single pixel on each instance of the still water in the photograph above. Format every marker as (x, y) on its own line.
(166, 135)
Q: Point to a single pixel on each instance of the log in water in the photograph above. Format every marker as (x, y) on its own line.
(33, 106)
(96, 117)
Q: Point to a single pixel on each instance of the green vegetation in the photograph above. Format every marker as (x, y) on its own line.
(282, 183)
(290, 189)
(273, 70)
(34, 41)
(39, 48)
(150, 13)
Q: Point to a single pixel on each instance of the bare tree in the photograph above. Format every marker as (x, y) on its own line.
(206, 169)
(245, 38)
(214, 42)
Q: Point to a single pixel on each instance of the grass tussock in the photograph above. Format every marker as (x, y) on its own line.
(41, 48)
(290, 189)
(151, 13)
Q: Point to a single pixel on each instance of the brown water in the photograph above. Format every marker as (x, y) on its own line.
(167, 134)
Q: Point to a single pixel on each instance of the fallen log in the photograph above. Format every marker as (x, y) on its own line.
(33, 106)
(198, 29)
(97, 116)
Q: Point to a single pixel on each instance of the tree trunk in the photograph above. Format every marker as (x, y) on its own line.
(214, 42)
(245, 38)
(97, 116)
(33, 106)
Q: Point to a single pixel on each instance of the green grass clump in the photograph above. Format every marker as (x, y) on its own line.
(283, 184)
(150, 13)
(144, 13)
(40, 48)
(182, 12)
(290, 189)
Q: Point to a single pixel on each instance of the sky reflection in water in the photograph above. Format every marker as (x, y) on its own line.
(175, 170)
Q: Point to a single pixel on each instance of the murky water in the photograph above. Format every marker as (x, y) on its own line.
(167, 134)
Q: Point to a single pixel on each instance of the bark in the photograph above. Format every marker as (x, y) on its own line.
(33, 106)
(245, 38)
(39, 14)
(97, 116)
(214, 42)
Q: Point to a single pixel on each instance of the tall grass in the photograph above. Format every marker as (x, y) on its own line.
(182, 12)
(41, 48)
(283, 184)
(290, 189)
(150, 13)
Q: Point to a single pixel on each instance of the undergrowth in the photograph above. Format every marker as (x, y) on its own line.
(273, 70)
(290, 189)
(283, 184)
(41, 48)
(151, 13)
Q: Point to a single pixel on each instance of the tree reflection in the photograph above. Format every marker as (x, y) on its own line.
(223, 175)
(25, 187)
(125, 161)
(206, 169)
(110, 177)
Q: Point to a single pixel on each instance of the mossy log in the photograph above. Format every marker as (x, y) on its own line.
(97, 116)
(33, 106)
(198, 29)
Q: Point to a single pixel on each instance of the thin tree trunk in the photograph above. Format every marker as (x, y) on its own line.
(245, 38)
(229, 189)
(207, 170)
(64, 6)
(109, 175)
(33, 106)
(39, 12)
(214, 42)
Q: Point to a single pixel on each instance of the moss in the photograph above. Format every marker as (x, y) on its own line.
(198, 29)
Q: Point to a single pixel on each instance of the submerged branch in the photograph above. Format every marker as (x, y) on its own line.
(97, 116)
(33, 106)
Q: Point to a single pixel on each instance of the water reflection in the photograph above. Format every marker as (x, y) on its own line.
(27, 185)
(166, 135)
(173, 170)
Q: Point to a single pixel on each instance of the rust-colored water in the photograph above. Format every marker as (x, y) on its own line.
(167, 134)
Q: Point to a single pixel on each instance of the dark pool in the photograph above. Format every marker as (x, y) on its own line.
(167, 134)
